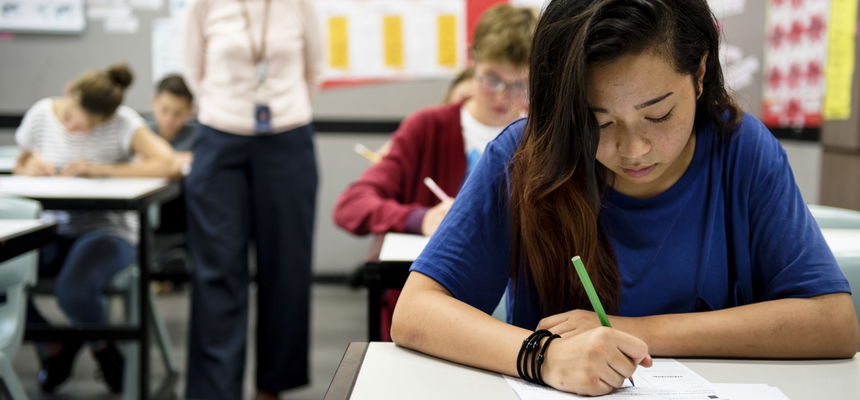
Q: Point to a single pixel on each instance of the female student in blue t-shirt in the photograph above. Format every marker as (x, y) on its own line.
(683, 208)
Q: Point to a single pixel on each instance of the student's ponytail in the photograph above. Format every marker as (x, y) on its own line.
(100, 93)
(120, 75)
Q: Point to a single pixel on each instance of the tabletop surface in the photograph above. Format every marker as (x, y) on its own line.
(14, 227)
(79, 188)
(399, 247)
(388, 371)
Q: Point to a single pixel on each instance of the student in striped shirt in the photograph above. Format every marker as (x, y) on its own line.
(88, 133)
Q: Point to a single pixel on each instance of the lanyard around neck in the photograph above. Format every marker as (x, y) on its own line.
(256, 56)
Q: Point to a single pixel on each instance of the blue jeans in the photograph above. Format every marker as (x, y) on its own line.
(82, 266)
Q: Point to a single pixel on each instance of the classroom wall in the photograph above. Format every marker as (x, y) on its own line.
(34, 66)
(37, 65)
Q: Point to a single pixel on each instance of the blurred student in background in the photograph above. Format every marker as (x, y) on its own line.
(87, 133)
(172, 119)
(444, 142)
(461, 89)
(172, 112)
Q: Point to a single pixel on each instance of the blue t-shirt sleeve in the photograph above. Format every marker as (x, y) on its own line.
(470, 252)
(790, 257)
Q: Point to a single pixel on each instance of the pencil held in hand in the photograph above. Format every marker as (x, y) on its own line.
(592, 295)
(369, 154)
(431, 184)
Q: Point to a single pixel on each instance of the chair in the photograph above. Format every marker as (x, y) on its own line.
(849, 262)
(16, 277)
(125, 285)
(834, 217)
(850, 265)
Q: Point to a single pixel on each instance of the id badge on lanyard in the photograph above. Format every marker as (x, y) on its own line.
(262, 112)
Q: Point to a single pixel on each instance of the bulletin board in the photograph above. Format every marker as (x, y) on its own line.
(795, 59)
(372, 41)
(143, 33)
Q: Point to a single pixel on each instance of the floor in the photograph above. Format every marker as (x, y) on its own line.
(339, 316)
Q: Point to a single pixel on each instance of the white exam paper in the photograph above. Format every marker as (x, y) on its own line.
(667, 379)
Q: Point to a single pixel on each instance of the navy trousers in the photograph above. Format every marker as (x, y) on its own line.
(241, 189)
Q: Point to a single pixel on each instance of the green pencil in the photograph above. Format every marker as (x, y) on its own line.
(589, 290)
(592, 295)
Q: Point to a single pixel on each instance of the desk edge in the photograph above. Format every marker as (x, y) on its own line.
(347, 372)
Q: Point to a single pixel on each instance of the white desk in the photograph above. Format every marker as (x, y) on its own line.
(135, 194)
(7, 164)
(80, 188)
(843, 242)
(8, 158)
(386, 268)
(12, 228)
(18, 236)
(385, 371)
(402, 247)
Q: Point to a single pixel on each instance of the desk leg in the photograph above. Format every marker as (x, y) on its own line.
(143, 262)
(374, 306)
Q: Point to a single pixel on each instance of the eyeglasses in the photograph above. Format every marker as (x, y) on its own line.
(496, 85)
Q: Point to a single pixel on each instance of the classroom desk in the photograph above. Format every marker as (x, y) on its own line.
(399, 373)
(135, 194)
(18, 236)
(8, 158)
(387, 267)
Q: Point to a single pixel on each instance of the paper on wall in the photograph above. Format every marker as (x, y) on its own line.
(44, 16)
(146, 4)
(727, 8)
(166, 51)
(126, 24)
(108, 12)
(839, 71)
(392, 39)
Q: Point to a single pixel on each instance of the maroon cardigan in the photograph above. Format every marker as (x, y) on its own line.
(427, 143)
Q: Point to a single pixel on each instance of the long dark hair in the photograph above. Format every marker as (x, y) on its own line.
(556, 182)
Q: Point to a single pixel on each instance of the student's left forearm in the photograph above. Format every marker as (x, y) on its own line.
(817, 327)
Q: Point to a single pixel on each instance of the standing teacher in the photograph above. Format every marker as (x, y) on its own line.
(252, 65)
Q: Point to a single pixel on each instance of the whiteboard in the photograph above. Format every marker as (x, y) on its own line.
(44, 16)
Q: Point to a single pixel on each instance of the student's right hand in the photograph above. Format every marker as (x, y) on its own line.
(35, 166)
(434, 217)
(594, 362)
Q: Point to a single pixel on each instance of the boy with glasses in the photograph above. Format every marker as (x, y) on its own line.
(444, 143)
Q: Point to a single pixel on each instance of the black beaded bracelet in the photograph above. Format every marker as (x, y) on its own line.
(542, 357)
(526, 356)
(522, 357)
